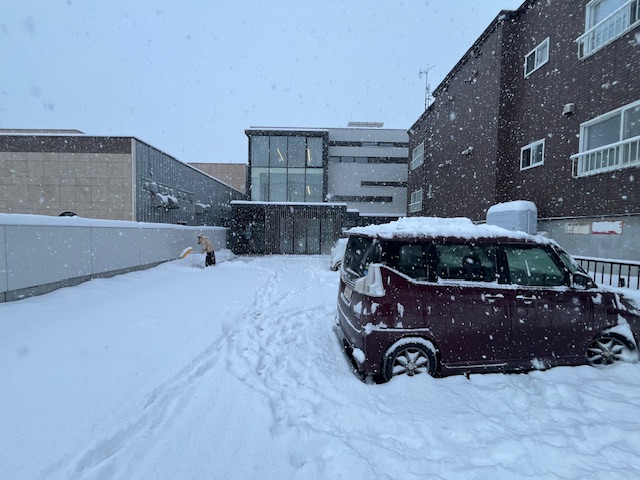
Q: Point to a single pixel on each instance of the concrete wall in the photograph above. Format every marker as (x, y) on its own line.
(49, 174)
(345, 179)
(576, 236)
(39, 254)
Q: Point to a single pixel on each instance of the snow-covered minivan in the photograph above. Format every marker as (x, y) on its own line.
(443, 296)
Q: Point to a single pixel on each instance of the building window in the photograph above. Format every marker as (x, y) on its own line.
(609, 142)
(536, 58)
(287, 168)
(371, 183)
(532, 155)
(605, 21)
(362, 198)
(347, 159)
(417, 157)
(415, 204)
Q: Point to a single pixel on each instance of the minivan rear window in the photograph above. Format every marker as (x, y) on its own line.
(361, 251)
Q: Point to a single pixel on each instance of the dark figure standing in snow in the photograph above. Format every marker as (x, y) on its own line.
(208, 249)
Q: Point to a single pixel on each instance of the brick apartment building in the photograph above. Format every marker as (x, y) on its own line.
(545, 107)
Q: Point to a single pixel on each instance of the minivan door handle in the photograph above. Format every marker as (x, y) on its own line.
(490, 298)
(525, 299)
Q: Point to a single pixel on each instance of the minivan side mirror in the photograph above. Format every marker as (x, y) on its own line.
(582, 281)
(371, 283)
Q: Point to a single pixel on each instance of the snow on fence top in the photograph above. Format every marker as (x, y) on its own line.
(459, 227)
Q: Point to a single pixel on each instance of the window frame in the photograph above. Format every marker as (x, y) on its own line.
(530, 147)
(417, 159)
(535, 53)
(592, 161)
(415, 204)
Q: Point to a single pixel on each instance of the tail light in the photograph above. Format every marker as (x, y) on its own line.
(371, 283)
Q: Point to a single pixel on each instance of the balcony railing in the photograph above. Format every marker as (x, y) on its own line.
(612, 27)
(616, 273)
(614, 156)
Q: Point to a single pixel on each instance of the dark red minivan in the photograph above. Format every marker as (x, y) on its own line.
(444, 296)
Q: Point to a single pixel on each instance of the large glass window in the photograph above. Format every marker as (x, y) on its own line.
(314, 152)
(278, 151)
(296, 151)
(287, 168)
(297, 184)
(259, 184)
(278, 185)
(259, 151)
(313, 191)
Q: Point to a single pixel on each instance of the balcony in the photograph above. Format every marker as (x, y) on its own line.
(614, 26)
(614, 156)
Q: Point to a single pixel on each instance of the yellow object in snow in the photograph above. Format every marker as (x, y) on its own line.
(186, 252)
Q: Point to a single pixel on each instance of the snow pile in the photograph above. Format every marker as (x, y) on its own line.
(234, 372)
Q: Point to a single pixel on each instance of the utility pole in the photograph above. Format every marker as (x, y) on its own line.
(427, 88)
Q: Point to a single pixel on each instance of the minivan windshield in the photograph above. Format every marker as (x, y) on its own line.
(569, 261)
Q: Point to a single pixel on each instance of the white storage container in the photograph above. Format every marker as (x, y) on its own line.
(518, 215)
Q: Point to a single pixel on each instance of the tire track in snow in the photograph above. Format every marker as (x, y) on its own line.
(117, 454)
(287, 351)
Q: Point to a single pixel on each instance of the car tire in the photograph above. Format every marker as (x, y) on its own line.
(609, 348)
(412, 358)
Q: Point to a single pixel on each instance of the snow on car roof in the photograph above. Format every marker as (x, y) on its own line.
(459, 227)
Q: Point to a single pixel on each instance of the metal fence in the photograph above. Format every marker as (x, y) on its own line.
(616, 273)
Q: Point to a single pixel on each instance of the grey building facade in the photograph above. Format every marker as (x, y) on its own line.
(116, 178)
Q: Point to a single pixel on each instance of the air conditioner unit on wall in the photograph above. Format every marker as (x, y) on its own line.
(568, 109)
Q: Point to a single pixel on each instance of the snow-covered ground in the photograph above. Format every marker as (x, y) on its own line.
(233, 372)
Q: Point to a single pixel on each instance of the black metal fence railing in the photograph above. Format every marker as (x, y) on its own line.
(616, 273)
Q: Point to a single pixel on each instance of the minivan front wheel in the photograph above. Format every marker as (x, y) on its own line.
(409, 359)
(609, 348)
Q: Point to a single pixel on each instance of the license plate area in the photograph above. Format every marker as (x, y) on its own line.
(347, 292)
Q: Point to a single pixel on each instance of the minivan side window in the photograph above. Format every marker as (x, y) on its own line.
(534, 266)
(410, 259)
(468, 262)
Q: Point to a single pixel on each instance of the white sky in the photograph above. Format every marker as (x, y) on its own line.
(189, 77)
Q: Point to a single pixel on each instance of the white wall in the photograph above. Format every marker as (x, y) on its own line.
(346, 178)
(39, 254)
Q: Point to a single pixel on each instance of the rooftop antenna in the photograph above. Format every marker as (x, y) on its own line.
(427, 88)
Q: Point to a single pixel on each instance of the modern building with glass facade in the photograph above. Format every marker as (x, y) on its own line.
(328, 179)
(287, 166)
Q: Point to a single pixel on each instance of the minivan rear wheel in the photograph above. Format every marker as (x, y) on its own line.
(409, 359)
(609, 348)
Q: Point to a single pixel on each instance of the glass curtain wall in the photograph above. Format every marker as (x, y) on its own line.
(286, 168)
